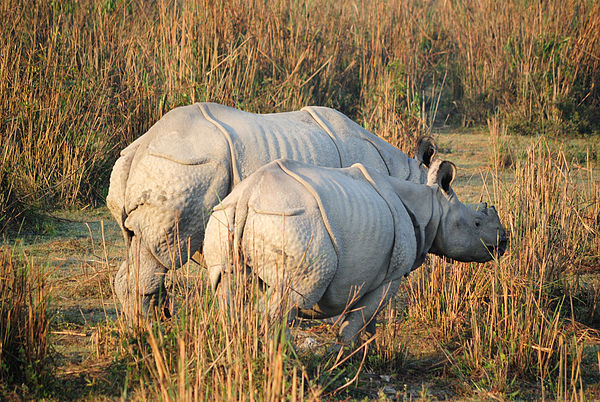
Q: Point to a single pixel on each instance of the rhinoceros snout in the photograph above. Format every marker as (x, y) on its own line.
(500, 248)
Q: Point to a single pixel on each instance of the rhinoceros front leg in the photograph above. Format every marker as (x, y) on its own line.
(139, 283)
(364, 311)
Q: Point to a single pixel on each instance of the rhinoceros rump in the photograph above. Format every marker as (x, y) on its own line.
(165, 183)
(325, 236)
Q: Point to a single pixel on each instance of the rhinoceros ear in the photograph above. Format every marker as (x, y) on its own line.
(442, 173)
(426, 150)
(446, 175)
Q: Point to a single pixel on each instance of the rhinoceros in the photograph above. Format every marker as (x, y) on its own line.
(325, 236)
(165, 183)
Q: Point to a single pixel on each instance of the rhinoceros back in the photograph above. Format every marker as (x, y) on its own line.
(358, 145)
(257, 139)
(166, 181)
(315, 135)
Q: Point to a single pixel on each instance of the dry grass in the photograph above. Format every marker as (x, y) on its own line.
(517, 326)
(205, 352)
(81, 79)
(514, 319)
(24, 324)
(520, 326)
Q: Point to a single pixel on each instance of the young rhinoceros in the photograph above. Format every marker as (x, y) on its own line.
(326, 236)
(165, 183)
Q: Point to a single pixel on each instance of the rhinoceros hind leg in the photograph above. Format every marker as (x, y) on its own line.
(365, 310)
(139, 283)
(232, 289)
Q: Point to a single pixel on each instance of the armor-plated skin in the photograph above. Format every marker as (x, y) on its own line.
(165, 183)
(325, 236)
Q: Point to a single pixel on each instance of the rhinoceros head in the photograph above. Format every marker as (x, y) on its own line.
(465, 232)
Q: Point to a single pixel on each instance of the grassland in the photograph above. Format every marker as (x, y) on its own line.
(522, 327)
(81, 79)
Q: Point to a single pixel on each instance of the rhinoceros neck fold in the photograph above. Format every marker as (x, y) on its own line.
(424, 211)
(403, 239)
(329, 132)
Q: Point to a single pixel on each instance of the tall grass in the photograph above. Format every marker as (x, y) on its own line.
(533, 60)
(513, 318)
(205, 352)
(516, 326)
(81, 79)
(24, 324)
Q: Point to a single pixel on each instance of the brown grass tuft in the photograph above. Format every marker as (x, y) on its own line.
(24, 343)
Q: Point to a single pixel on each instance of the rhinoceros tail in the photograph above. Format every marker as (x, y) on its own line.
(115, 200)
(127, 234)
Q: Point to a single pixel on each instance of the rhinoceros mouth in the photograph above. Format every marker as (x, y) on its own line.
(499, 249)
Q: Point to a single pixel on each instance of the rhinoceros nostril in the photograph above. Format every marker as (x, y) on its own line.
(499, 249)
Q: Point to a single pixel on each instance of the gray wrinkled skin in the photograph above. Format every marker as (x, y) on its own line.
(325, 236)
(165, 183)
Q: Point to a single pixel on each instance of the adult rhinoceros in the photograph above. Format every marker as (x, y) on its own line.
(165, 183)
(326, 236)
